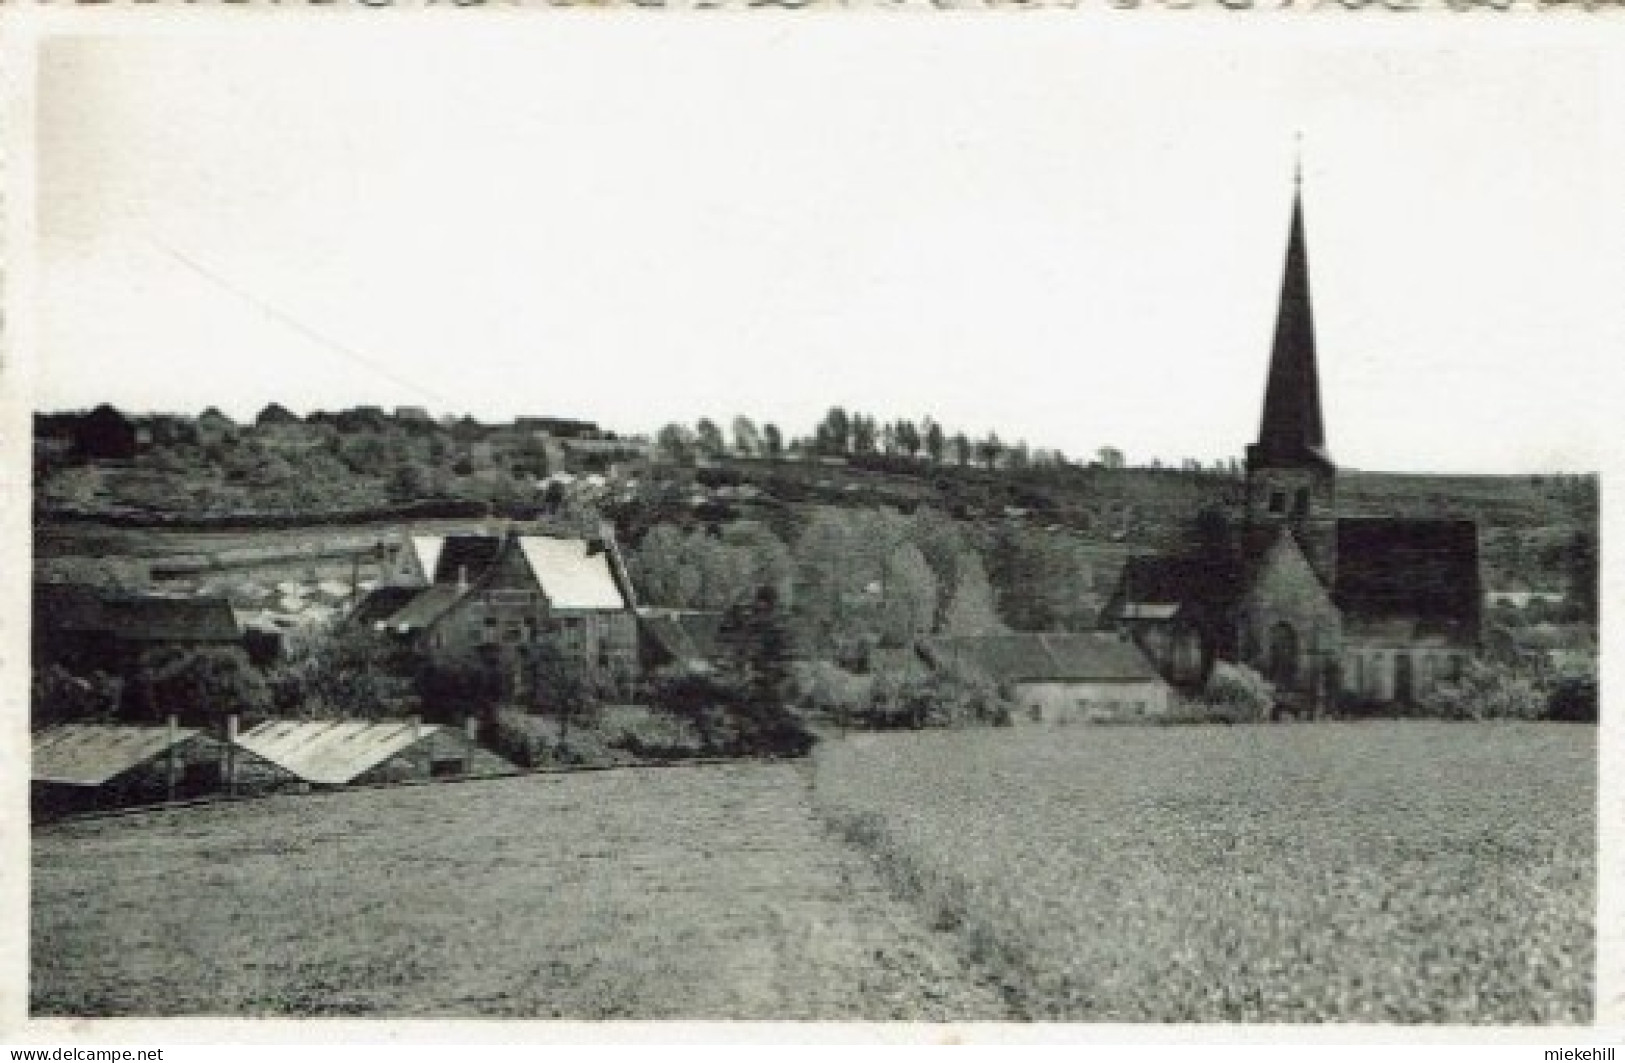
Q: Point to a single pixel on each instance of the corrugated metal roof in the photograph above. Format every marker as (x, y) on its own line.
(86, 754)
(331, 752)
(571, 576)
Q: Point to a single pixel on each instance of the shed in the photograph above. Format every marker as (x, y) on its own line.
(360, 752)
(81, 766)
(1062, 678)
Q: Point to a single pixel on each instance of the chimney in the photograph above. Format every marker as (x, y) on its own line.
(416, 724)
(462, 577)
(231, 755)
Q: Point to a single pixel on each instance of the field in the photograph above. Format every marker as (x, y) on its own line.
(705, 893)
(1405, 872)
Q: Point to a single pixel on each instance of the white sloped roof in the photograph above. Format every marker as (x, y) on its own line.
(332, 752)
(570, 577)
(85, 754)
(427, 549)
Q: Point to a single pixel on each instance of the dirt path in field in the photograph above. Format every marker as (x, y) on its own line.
(703, 893)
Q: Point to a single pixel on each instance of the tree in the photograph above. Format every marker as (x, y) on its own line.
(834, 433)
(201, 686)
(708, 438)
(863, 434)
(747, 440)
(772, 441)
(560, 685)
(909, 596)
(351, 672)
(989, 450)
(678, 443)
(758, 664)
(1583, 575)
(908, 438)
(935, 441)
(408, 482)
(969, 609)
(962, 448)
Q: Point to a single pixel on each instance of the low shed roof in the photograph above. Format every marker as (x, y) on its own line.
(1045, 657)
(86, 754)
(332, 752)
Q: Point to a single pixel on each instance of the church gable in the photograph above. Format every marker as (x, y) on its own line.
(1288, 622)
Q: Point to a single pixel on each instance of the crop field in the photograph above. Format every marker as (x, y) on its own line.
(1396, 872)
(697, 893)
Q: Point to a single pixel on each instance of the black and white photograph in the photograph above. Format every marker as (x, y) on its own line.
(822, 517)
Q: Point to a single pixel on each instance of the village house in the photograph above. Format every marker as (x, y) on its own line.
(1328, 606)
(1060, 678)
(485, 598)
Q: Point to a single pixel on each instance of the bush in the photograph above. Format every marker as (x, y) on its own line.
(1234, 694)
(1573, 700)
(948, 696)
(1486, 691)
(650, 734)
(728, 719)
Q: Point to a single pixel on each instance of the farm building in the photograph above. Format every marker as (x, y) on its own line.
(1061, 678)
(303, 753)
(488, 597)
(1328, 606)
(82, 766)
(79, 624)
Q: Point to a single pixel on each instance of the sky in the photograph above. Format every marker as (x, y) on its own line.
(1066, 231)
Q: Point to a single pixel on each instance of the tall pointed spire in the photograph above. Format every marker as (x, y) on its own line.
(1291, 430)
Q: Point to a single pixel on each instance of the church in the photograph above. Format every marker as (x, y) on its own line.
(1335, 609)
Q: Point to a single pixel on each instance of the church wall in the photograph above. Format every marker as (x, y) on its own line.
(1286, 590)
(1371, 672)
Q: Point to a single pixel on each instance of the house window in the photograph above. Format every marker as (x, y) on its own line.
(1277, 501)
(488, 633)
(1300, 502)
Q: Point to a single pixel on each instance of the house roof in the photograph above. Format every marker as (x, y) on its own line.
(332, 752)
(83, 754)
(427, 605)
(1038, 657)
(1167, 580)
(150, 618)
(135, 617)
(464, 557)
(381, 604)
(1422, 568)
(572, 573)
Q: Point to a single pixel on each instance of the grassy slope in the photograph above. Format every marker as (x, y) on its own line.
(678, 893)
(1377, 872)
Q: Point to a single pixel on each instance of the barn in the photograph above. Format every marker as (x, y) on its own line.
(82, 766)
(299, 754)
(1061, 678)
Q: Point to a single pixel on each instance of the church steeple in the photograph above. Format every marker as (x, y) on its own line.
(1291, 431)
(1291, 481)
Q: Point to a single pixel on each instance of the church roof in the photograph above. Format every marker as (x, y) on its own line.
(1291, 429)
(1424, 568)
